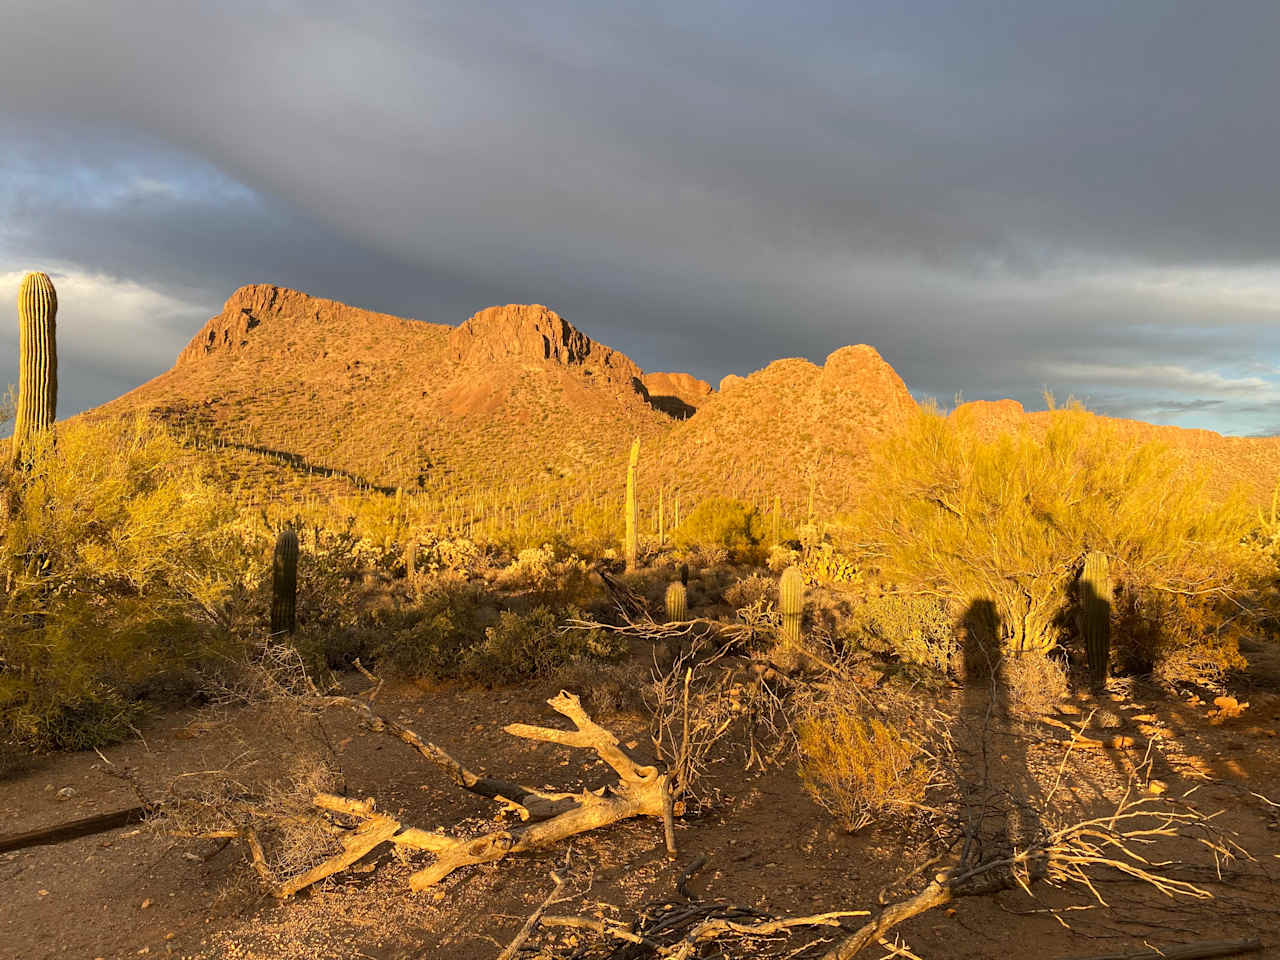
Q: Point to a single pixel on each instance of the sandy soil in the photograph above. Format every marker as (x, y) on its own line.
(132, 892)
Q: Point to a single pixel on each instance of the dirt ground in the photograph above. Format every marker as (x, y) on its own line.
(132, 892)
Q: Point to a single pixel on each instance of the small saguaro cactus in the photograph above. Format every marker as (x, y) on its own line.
(38, 362)
(284, 583)
(791, 605)
(1095, 615)
(777, 519)
(677, 603)
(632, 546)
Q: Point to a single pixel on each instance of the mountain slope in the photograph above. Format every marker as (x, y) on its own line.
(513, 392)
(515, 404)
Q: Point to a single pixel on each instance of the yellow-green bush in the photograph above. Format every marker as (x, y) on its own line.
(120, 568)
(722, 522)
(860, 766)
(918, 630)
(1005, 522)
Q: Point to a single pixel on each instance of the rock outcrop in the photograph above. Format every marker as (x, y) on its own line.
(679, 394)
(268, 306)
(531, 333)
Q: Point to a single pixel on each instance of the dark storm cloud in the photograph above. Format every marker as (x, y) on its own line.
(999, 197)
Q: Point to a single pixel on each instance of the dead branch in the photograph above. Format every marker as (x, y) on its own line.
(1070, 855)
(74, 829)
(712, 928)
(514, 946)
(547, 817)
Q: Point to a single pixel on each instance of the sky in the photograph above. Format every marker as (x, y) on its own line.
(1002, 198)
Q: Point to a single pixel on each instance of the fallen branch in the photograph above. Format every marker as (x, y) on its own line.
(73, 829)
(547, 818)
(1069, 855)
(514, 946)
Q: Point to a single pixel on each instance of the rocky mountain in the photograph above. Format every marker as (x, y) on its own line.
(517, 397)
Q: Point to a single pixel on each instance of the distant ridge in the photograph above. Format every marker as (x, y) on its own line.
(517, 394)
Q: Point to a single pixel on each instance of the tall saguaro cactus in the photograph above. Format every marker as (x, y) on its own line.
(38, 361)
(632, 546)
(1095, 615)
(791, 606)
(284, 583)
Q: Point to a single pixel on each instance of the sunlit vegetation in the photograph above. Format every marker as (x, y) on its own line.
(134, 564)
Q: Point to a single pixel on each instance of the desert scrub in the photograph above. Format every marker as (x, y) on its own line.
(720, 522)
(1033, 686)
(915, 630)
(752, 591)
(432, 637)
(861, 766)
(123, 571)
(548, 577)
(1006, 521)
(532, 644)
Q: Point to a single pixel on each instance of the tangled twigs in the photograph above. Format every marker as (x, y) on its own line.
(678, 931)
(1070, 855)
(514, 946)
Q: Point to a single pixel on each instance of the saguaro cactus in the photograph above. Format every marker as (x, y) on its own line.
(1095, 615)
(38, 361)
(632, 546)
(284, 583)
(791, 605)
(777, 519)
(677, 603)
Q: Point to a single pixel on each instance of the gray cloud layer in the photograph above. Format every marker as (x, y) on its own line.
(999, 197)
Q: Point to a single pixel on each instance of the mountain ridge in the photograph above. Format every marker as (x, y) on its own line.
(518, 393)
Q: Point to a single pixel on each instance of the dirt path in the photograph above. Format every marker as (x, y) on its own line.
(131, 893)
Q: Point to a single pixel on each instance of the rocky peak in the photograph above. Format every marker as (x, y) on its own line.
(531, 333)
(270, 307)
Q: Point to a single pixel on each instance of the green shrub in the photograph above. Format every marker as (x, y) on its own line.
(721, 522)
(120, 569)
(532, 645)
(861, 766)
(432, 638)
(1002, 524)
(917, 630)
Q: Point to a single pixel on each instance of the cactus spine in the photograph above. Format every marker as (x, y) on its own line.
(1095, 615)
(632, 546)
(677, 603)
(284, 583)
(791, 605)
(38, 362)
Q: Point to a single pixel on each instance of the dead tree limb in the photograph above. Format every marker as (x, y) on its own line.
(547, 817)
(514, 946)
(1070, 855)
(74, 829)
